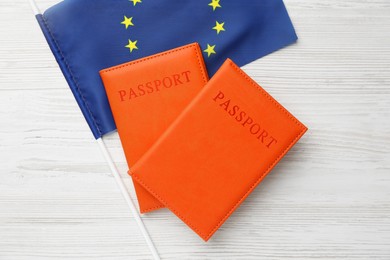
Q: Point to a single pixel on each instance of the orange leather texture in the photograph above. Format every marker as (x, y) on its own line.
(218, 150)
(147, 95)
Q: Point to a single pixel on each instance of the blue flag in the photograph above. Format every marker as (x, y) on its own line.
(87, 36)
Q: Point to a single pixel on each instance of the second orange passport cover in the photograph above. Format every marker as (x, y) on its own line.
(218, 150)
(147, 95)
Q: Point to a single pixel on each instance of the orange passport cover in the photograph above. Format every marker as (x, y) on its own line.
(147, 95)
(218, 150)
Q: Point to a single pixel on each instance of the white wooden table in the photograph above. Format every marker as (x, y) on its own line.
(328, 199)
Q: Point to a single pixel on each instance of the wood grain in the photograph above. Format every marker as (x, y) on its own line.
(328, 199)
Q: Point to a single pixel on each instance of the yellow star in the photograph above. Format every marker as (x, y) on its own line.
(210, 50)
(135, 1)
(219, 27)
(215, 4)
(128, 22)
(132, 45)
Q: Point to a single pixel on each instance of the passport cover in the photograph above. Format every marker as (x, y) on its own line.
(147, 95)
(218, 150)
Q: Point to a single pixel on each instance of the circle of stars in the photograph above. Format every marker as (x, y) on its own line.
(219, 27)
(128, 21)
(210, 50)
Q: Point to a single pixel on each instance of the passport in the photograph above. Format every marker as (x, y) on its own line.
(218, 150)
(147, 95)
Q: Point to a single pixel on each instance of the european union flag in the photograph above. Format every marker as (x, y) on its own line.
(87, 36)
